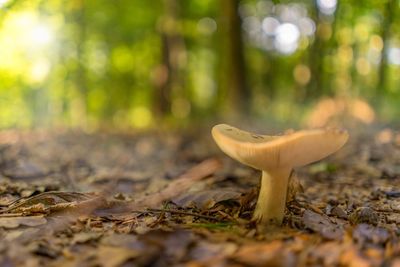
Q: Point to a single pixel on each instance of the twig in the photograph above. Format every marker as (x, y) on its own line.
(186, 213)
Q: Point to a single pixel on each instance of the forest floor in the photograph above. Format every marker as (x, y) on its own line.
(167, 199)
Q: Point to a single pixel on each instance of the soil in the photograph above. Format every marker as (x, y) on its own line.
(69, 198)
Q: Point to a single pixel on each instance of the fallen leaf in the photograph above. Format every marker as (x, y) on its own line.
(395, 263)
(364, 215)
(204, 251)
(393, 218)
(173, 246)
(206, 199)
(328, 253)
(123, 240)
(84, 237)
(352, 258)
(20, 234)
(114, 256)
(179, 185)
(25, 169)
(322, 225)
(46, 202)
(392, 194)
(365, 233)
(265, 254)
(7, 199)
(294, 187)
(14, 222)
(339, 212)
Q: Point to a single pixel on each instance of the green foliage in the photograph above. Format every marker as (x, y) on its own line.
(135, 63)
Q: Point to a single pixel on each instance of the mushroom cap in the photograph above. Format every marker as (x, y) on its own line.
(290, 150)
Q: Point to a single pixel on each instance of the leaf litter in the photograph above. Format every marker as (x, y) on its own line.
(164, 199)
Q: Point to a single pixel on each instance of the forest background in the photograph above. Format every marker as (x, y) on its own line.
(136, 64)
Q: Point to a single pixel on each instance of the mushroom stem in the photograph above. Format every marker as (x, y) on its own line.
(271, 202)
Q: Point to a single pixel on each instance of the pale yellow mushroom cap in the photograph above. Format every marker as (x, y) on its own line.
(291, 150)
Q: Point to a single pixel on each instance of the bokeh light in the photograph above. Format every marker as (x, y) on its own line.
(363, 66)
(287, 37)
(302, 74)
(140, 117)
(269, 25)
(41, 35)
(327, 7)
(251, 24)
(206, 26)
(3, 3)
(394, 55)
(284, 28)
(39, 71)
(307, 26)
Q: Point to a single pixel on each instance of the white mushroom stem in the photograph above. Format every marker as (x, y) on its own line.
(271, 201)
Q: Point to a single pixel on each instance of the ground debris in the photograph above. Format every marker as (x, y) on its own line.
(161, 199)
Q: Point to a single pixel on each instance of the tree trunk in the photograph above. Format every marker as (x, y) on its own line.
(315, 88)
(386, 25)
(319, 84)
(234, 95)
(168, 78)
(80, 110)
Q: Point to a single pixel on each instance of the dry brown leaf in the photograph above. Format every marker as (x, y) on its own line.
(294, 187)
(207, 199)
(179, 185)
(396, 263)
(204, 251)
(123, 240)
(352, 258)
(328, 253)
(365, 233)
(47, 202)
(14, 222)
(114, 256)
(7, 199)
(265, 254)
(322, 225)
(84, 237)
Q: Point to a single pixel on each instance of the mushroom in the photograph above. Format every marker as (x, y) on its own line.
(276, 156)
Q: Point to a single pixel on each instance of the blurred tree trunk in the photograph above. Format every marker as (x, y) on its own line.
(80, 109)
(168, 78)
(234, 94)
(319, 84)
(315, 88)
(388, 17)
(356, 80)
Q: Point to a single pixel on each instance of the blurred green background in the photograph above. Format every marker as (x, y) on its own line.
(137, 63)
